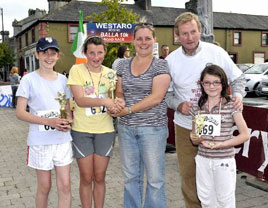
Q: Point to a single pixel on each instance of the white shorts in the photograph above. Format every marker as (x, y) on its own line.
(45, 157)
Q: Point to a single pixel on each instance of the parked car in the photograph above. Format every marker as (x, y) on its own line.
(244, 67)
(254, 75)
(263, 87)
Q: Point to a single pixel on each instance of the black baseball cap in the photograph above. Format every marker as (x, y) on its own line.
(46, 43)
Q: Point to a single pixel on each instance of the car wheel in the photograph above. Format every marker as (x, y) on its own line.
(256, 91)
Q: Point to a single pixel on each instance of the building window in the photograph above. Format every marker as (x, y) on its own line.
(72, 30)
(233, 56)
(176, 40)
(20, 46)
(37, 65)
(237, 38)
(258, 56)
(26, 39)
(33, 36)
(264, 39)
(27, 63)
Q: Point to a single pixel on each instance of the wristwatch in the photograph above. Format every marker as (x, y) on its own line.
(129, 110)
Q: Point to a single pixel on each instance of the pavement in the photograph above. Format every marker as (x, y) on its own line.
(18, 182)
(252, 100)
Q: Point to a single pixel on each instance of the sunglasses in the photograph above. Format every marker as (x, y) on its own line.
(143, 24)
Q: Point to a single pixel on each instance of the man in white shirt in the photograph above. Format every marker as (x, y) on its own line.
(186, 64)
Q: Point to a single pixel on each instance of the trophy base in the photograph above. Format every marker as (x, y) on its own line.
(211, 144)
(196, 136)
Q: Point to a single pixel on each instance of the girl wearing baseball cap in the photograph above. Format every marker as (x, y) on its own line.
(49, 139)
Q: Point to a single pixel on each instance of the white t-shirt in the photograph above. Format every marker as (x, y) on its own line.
(41, 94)
(185, 72)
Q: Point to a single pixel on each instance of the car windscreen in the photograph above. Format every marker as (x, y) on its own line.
(257, 69)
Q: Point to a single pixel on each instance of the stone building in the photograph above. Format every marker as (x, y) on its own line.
(244, 37)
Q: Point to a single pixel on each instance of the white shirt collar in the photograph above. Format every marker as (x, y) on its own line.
(195, 52)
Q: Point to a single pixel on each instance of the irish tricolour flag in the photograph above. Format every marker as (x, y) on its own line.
(78, 42)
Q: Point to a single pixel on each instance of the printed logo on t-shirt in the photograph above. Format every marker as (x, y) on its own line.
(90, 90)
(196, 92)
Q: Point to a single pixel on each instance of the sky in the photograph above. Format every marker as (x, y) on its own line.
(11, 12)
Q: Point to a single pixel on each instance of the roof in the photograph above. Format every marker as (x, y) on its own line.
(239, 21)
(159, 16)
(28, 21)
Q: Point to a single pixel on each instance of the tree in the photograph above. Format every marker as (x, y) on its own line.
(114, 13)
(6, 56)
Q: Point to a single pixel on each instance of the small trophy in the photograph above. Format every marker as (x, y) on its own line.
(199, 124)
(112, 77)
(62, 100)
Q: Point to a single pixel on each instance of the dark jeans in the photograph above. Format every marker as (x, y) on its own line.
(14, 98)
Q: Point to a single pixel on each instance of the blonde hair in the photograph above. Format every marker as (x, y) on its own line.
(184, 18)
(143, 24)
(14, 70)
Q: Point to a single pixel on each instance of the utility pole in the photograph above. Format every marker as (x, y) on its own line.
(2, 14)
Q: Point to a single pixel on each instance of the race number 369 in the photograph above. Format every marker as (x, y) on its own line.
(207, 130)
(212, 125)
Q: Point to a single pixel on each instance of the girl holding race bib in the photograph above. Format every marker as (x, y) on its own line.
(215, 162)
(49, 138)
(92, 131)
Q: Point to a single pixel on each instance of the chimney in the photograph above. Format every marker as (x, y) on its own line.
(36, 13)
(5, 35)
(144, 4)
(55, 4)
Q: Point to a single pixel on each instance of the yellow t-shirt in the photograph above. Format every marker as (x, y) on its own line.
(93, 120)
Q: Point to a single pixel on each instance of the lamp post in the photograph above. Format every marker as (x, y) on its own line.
(2, 32)
(2, 14)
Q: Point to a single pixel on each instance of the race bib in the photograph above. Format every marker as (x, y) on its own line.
(212, 125)
(93, 111)
(48, 114)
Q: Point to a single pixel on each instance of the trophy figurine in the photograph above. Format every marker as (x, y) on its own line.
(112, 77)
(62, 100)
(199, 124)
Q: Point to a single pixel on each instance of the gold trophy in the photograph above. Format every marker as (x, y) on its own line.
(112, 77)
(199, 124)
(62, 100)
